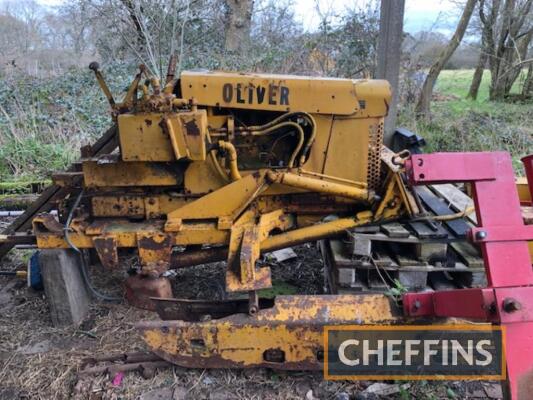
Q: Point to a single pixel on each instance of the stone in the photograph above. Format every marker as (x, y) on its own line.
(64, 286)
(342, 396)
(384, 389)
(158, 394)
(180, 393)
(36, 348)
(493, 390)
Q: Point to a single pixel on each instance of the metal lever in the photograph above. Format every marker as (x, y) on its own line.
(94, 66)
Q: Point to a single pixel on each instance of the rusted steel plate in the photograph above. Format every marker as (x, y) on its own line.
(286, 336)
(106, 247)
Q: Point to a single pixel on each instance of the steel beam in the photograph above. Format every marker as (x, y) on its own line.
(502, 237)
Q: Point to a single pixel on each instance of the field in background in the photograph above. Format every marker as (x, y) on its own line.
(461, 124)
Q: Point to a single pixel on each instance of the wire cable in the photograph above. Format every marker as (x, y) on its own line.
(84, 272)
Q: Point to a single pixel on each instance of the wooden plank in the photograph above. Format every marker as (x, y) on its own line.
(468, 254)
(412, 280)
(376, 281)
(458, 200)
(406, 261)
(381, 259)
(106, 144)
(367, 229)
(64, 286)
(527, 215)
(381, 237)
(395, 230)
(436, 204)
(20, 238)
(423, 230)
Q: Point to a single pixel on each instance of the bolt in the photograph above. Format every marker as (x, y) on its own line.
(510, 305)
(480, 235)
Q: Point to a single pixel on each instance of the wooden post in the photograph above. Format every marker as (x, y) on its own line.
(389, 50)
(64, 286)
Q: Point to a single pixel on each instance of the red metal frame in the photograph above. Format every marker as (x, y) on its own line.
(502, 237)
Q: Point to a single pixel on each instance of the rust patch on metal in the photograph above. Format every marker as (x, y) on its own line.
(155, 250)
(106, 247)
(198, 310)
(49, 222)
(140, 289)
(191, 128)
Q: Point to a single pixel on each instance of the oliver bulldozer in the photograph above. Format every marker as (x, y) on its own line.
(216, 166)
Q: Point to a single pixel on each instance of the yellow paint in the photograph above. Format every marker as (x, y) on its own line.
(313, 95)
(118, 174)
(294, 325)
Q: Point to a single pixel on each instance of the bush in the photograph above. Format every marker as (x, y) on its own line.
(44, 121)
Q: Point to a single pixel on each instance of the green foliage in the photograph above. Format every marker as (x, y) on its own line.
(279, 288)
(460, 124)
(44, 121)
(397, 291)
(450, 393)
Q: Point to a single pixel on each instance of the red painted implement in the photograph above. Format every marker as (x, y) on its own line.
(502, 237)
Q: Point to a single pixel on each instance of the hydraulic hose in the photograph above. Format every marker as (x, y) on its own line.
(301, 137)
(232, 158)
(214, 160)
(283, 117)
(268, 128)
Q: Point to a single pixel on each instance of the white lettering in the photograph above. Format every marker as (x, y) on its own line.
(367, 352)
(342, 352)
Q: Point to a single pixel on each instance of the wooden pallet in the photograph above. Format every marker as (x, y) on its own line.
(417, 254)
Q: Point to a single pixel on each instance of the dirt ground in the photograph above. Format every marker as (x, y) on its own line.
(38, 361)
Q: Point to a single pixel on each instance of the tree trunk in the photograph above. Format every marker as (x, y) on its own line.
(478, 75)
(238, 24)
(511, 47)
(389, 52)
(510, 67)
(423, 104)
(140, 38)
(527, 89)
(487, 44)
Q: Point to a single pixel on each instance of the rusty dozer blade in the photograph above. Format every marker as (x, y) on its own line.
(287, 335)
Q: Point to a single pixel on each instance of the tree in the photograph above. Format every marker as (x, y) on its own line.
(389, 51)
(510, 44)
(423, 104)
(238, 25)
(488, 15)
(527, 88)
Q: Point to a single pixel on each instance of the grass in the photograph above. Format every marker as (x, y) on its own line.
(461, 124)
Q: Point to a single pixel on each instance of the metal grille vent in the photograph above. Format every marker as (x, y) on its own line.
(374, 155)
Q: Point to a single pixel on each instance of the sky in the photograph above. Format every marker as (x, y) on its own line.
(419, 15)
(438, 15)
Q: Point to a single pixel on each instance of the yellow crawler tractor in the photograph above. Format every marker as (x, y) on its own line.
(228, 166)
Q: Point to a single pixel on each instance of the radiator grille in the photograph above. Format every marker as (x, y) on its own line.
(374, 155)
